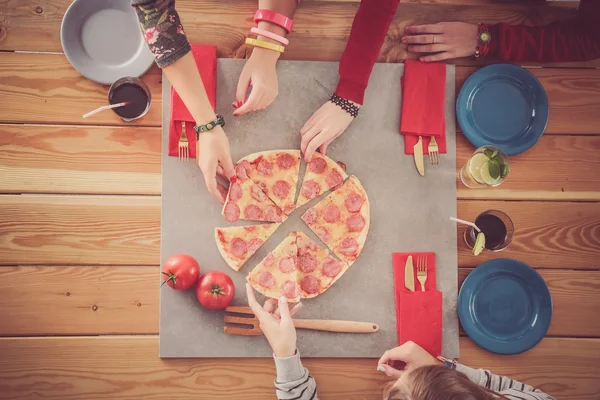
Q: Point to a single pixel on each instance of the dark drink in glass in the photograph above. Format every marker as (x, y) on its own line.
(497, 228)
(133, 91)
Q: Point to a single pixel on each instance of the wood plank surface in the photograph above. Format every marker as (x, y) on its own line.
(79, 230)
(320, 27)
(96, 160)
(44, 88)
(125, 230)
(129, 368)
(562, 167)
(83, 300)
(68, 159)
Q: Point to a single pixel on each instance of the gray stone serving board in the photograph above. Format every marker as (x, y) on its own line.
(408, 213)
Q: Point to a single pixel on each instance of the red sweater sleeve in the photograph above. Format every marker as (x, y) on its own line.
(574, 40)
(369, 29)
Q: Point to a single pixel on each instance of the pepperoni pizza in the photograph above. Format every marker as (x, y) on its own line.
(276, 275)
(245, 200)
(341, 220)
(238, 243)
(322, 174)
(276, 173)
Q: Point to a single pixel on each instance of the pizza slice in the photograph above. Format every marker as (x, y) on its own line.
(238, 243)
(322, 174)
(276, 173)
(341, 220)
(276, 275)
(245, 200)
(317, 269)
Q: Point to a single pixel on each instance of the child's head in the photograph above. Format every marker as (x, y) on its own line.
(436, 382)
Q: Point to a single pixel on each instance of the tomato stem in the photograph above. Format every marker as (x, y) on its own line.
(171, 277)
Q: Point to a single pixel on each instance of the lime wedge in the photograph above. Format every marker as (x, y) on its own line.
(486, 177)
(476, 164)
(479, 244)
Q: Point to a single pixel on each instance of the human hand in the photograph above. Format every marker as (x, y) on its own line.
(409, 353)
(260, 73)
(214, 158)
(276, 323)
(446, 39)
(326, 124)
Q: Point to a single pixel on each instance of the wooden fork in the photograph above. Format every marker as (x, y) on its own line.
(422, 271)
(253, 328)
(184, 150)
(434, 152)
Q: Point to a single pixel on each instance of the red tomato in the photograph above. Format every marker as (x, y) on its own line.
(215, 290)
(181, 272)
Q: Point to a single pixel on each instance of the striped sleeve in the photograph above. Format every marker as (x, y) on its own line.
(293, 381)
(508, 387)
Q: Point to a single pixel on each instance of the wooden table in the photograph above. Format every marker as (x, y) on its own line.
(80, 213)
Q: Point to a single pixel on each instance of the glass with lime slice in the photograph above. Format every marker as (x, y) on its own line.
(487, 167)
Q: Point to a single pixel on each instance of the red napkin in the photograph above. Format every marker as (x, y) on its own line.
(418, 314)
(206, 60)
(423, 112)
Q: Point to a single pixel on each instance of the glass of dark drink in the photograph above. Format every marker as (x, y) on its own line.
(497, 227)
(133, 91)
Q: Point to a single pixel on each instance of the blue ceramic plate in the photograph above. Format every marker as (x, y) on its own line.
(502, 105)
(505, 306)
(103, 40)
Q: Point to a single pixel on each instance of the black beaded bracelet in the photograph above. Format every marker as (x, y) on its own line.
(345, 105)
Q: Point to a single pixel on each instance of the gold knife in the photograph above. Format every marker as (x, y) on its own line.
(418, 149)
(409, 274)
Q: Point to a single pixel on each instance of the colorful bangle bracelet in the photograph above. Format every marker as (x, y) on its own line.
(275, 18)
(265, 45)
(270, 35)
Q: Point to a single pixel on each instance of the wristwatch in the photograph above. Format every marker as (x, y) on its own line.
(210, 126)
(483, 40)
(447, 362)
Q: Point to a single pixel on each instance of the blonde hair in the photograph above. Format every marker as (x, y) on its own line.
(437, 382)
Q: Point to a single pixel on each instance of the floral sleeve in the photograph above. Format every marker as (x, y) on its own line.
(162, 30)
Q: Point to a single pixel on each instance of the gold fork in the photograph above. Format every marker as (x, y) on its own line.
(184, 151)
(422, 271)
(434, 152)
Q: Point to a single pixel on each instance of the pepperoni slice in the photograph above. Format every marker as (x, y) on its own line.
(317, 165)
(307, 263)
(334, 178)
(354, 202)
(272, 214)
(311, 189)
(258, 194)
(250, 228)
(235, 191)
(310, 284)
(332, 267)
(254, 245)
(232, 212)
(264, 167)
(322, 233)
(290, 289)
(285, 161)
(287, 264)
(282, 189)
(289, 208)
(269, 259)
(238, 247)
(252, 212)
(310, 216)
(348, 246)
(221, 236)
(331, 213)
(263, 187)
(242, 169)
(355, 223)
(266, 279)
(342, 165)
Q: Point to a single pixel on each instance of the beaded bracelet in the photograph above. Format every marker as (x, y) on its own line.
(345, 105)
